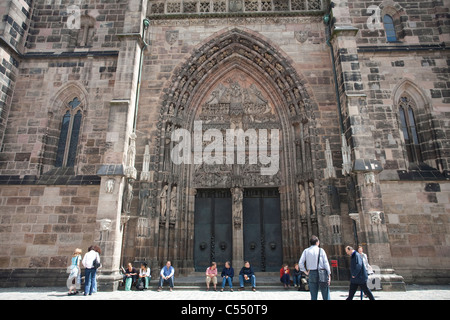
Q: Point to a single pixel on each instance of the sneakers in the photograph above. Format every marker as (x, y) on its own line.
(253, 289)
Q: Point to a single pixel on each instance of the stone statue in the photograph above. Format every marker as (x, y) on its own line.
(128, 197)
(173, 203)
(238, 197)
(302, 195)
(163, 197)
(144, 194)
(312, 197)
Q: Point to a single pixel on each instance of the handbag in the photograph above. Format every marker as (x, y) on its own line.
(323, 274)
(95, 264)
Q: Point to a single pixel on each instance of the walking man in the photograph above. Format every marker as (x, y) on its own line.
(359, 274)
(314, 263)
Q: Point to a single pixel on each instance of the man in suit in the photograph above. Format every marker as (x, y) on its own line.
(359, 274)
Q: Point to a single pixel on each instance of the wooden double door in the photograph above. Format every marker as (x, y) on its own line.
(214, 227)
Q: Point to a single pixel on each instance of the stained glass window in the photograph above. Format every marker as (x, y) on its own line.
(389, 28)
(409, 130)
(69, 134)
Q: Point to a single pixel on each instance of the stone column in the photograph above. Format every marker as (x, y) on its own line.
(237, 194)
(365, 166)
(118, 170)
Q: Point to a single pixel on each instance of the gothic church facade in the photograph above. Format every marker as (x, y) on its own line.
(95, 94)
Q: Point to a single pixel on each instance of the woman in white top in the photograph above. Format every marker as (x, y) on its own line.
(90, 268)
(144, 272)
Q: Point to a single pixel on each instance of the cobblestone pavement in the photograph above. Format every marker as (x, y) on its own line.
(413, 292)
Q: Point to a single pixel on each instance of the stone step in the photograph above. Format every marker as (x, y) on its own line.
(265, 281)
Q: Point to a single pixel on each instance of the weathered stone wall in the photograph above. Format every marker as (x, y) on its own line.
(414, 195)
(417, 215)
(40, 228)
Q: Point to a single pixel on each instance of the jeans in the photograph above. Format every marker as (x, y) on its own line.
(285, 279)
(252, 280)
(313, 282)
(162, 280)
(89, 280)
(228, 280)
(296, 279)
(364, 288)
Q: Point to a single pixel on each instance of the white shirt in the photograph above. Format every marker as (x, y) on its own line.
(310, 256)
(144, 273)
(89, 258)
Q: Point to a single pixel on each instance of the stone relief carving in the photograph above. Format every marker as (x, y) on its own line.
(301, 35)
(104, 227)
(172, 36)
(110, 185)
(375, 217)
(236, 104)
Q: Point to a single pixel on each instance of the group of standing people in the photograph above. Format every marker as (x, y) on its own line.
(91, 262)
(314, 263)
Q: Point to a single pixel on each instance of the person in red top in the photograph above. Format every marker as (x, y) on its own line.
(285, 276)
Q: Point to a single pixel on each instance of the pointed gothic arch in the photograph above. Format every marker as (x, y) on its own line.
(266, 73)
(413, 108)
(66, 112)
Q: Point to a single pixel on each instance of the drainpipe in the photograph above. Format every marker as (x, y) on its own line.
(146, 24)
(327, 20)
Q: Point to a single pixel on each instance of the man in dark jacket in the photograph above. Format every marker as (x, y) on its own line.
(359, 274)
(227, 276)
(247, 275)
